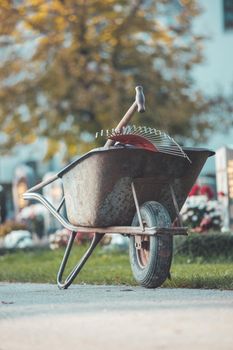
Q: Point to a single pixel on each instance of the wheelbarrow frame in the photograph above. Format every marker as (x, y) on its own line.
(99, 232)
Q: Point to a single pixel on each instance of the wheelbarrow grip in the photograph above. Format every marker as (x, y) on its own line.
(140, 99)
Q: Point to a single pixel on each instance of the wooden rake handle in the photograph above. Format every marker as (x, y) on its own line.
(138, 105)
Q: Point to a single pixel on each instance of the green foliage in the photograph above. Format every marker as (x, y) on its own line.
(69, 68)
(206, 246)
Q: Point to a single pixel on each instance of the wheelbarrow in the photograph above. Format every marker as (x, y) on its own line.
(130, 191)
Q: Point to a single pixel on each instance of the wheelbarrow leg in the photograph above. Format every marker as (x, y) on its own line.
(64, 285)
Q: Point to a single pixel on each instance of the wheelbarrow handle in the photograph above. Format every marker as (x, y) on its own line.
(138, 105)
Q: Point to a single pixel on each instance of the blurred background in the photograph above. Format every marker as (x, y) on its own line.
(69, 68)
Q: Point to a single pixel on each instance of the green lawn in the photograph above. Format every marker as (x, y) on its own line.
(113, 268)
(213, 275)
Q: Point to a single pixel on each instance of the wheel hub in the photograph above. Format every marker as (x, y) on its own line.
(142, 245)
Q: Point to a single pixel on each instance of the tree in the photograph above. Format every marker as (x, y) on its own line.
(69, 68)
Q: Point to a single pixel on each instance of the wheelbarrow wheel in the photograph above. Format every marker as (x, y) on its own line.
(150, 257)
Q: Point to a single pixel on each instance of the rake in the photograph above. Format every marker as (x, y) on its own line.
(143, 137)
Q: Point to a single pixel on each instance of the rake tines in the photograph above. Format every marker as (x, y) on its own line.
(149, 138)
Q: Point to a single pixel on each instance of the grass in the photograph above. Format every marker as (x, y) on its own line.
(41, 266)
(212, 275)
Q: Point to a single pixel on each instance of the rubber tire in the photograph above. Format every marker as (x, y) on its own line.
(161, 246)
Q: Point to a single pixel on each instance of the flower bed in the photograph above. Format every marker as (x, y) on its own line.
(201, 214)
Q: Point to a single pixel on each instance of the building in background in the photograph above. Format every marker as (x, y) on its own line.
(224, 177)
(216, 73)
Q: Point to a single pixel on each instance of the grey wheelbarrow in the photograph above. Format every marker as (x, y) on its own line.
(136, 191)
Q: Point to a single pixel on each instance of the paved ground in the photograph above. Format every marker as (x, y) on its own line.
(39, 316)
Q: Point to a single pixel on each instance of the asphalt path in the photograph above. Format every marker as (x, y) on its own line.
(40, 316)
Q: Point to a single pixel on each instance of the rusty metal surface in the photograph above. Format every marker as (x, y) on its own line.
(98, 191)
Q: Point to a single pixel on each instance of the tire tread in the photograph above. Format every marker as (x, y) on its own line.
(157, 270)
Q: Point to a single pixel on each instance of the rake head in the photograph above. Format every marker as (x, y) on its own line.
(144, 137)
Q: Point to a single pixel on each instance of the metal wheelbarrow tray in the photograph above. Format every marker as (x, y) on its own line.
(98, 186)
(104, 188)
